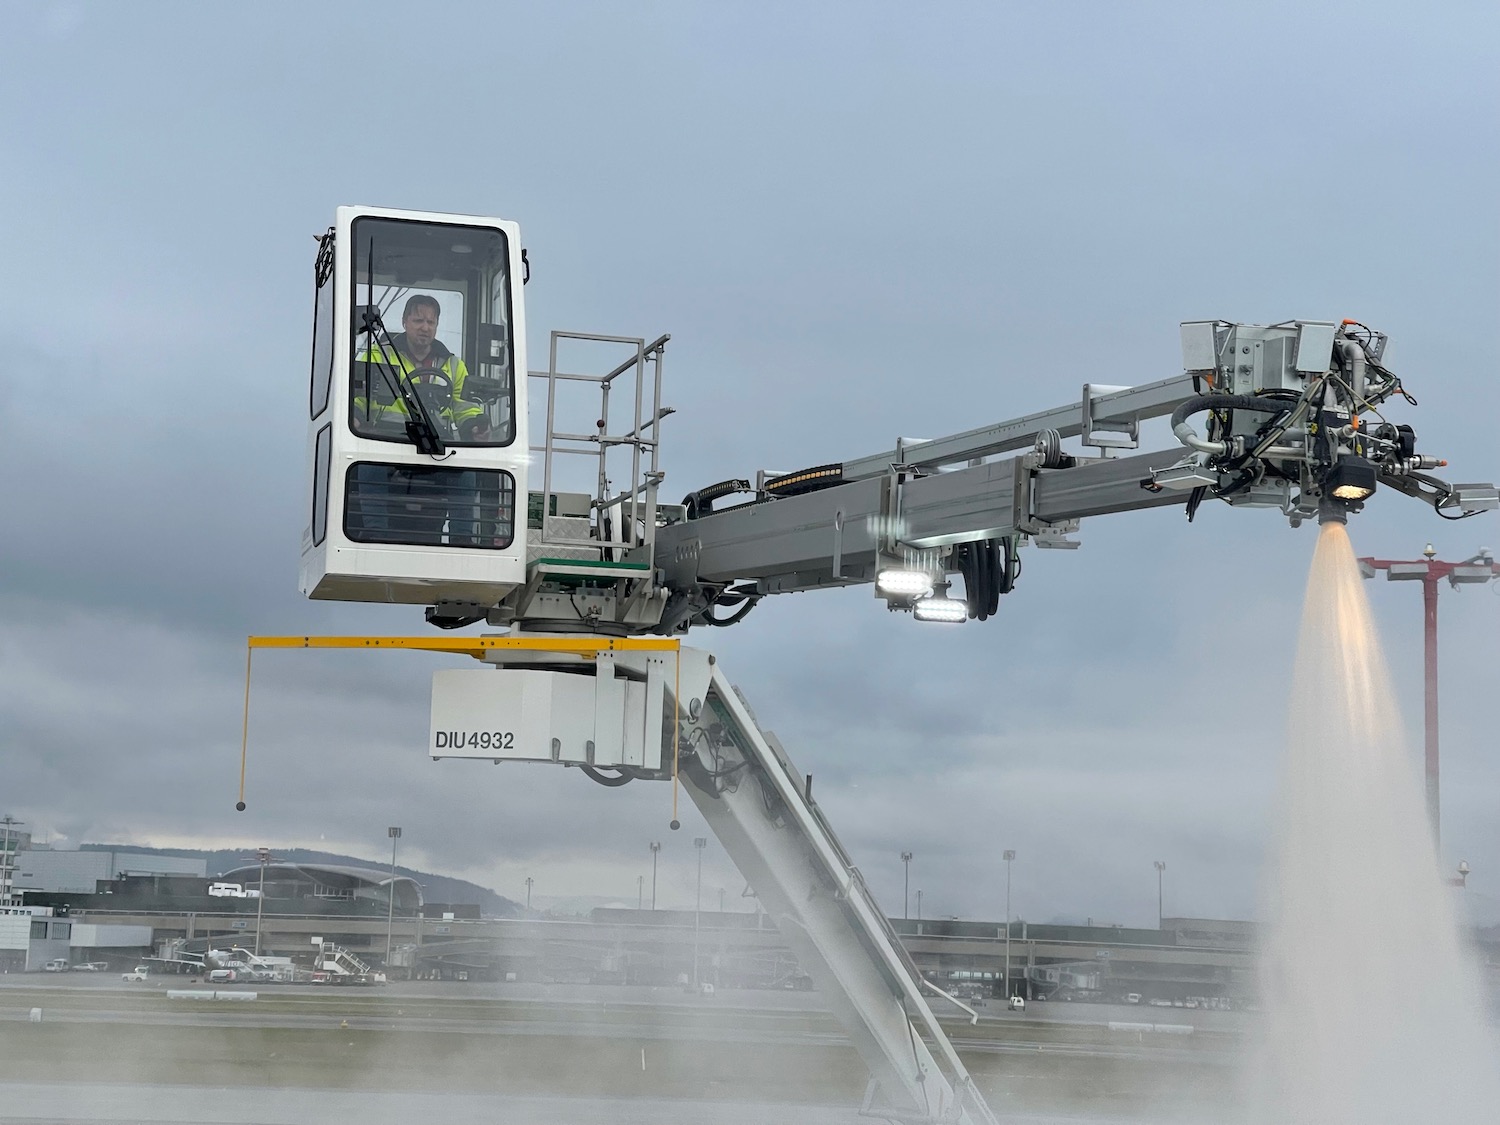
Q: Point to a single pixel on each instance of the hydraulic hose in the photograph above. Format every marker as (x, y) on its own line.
(984, 580)
(988, 568)
(999, 564)
(1199, 403)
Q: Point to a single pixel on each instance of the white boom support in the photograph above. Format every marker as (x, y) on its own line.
(758, 807)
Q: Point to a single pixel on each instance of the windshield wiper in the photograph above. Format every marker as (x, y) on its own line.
(420, 429)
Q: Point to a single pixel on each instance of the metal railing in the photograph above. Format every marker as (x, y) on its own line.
(633, 505)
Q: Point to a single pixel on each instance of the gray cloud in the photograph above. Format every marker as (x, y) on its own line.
(905, 226)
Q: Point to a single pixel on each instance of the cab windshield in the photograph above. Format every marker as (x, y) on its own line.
(431, 325)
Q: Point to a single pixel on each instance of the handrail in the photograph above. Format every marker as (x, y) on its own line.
(640, 357)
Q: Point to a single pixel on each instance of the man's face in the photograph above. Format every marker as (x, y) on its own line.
(420, 326)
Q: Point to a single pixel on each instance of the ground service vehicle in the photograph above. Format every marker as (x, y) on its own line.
(427, 487)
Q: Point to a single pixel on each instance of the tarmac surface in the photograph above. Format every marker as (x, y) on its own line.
(101, 1050)
(1038, 1012)
(24, 1103)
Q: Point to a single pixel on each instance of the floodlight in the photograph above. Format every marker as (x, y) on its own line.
(1352, 478)
(904, 582)
(941, 608)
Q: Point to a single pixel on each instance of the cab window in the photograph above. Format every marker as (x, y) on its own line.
(430, 506)
(431, 328)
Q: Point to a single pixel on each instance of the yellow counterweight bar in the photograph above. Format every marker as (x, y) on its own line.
(476, 647)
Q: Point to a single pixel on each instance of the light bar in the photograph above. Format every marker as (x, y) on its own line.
(904, 583)
(941, 608)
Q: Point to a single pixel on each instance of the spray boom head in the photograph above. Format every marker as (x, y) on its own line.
(1286, 406)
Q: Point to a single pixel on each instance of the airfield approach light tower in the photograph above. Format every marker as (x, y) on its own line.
(1430, 570)
(390, 905)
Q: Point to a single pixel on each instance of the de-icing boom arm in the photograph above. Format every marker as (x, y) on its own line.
(1286, 416)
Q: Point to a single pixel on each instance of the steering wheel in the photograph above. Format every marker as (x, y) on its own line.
(435, 389)
(433, 377)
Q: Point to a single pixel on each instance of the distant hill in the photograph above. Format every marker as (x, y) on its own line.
(435, 888)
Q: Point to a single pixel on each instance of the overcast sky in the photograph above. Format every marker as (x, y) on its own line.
(858, 222)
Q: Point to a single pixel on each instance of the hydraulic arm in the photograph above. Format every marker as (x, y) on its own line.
(1293, 419)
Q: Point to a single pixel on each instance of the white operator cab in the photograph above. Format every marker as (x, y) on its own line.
(417, 443)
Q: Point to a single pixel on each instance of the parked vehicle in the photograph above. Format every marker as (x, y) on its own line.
(1132, 998)
(91, 967)
(140, 972)
(1017, 1003)
(222, 976)
(57, 965)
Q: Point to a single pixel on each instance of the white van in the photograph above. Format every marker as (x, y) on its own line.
(57, 965)
(1018, 1003)
(226, 890)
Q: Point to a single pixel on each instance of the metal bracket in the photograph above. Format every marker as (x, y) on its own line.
(1054, 536)
(1107, 434)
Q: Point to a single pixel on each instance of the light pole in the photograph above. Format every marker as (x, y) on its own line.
(640, 891)
(264, 855)
(1160, 867)
(919, 904)
(655, 850)
(1009, 857)
(721, 900)
(1431, 570)
(390, 896)
(528, 892)
(699, 842)
(906, 886)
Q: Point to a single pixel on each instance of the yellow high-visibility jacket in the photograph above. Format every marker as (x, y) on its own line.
(377, 403)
